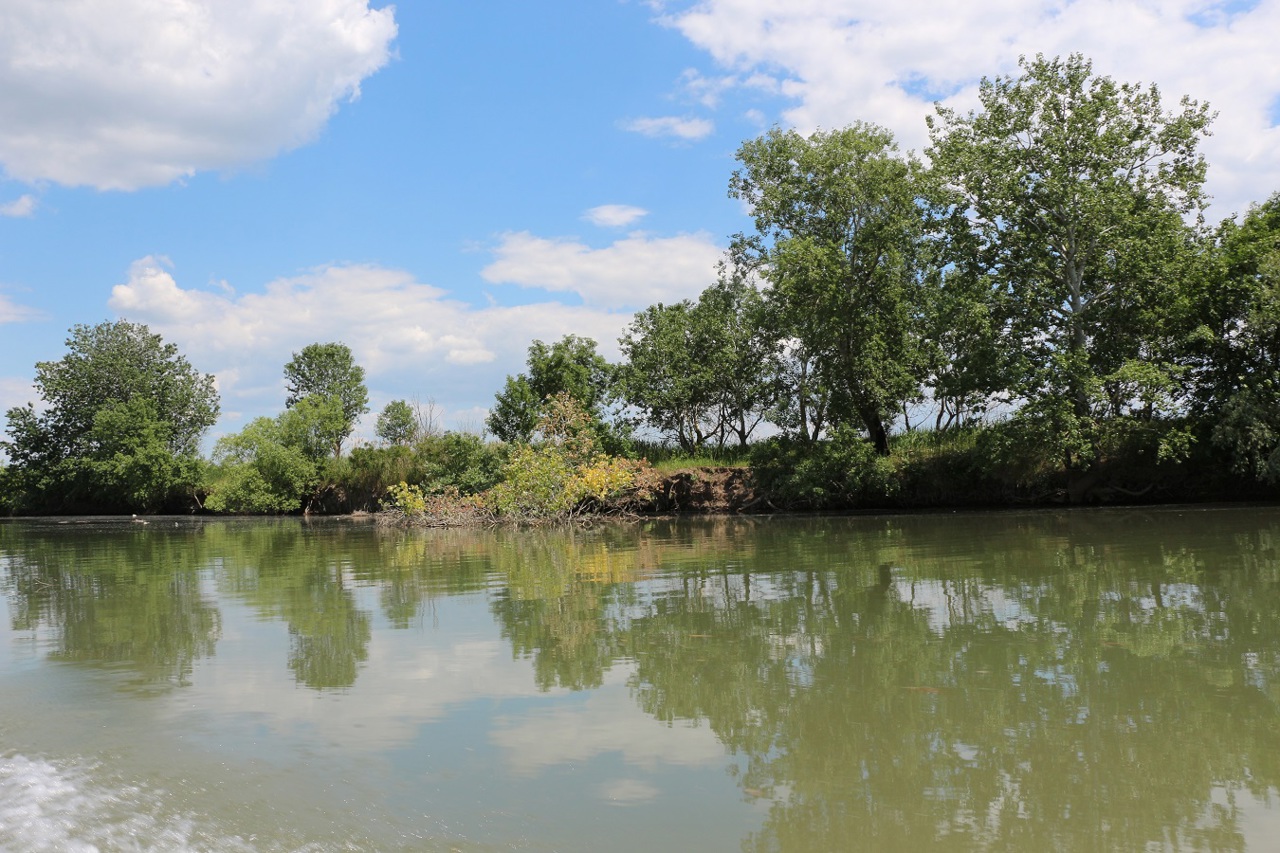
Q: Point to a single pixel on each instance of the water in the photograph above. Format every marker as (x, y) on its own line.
(1088, 680)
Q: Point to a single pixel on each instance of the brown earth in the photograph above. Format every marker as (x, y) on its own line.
(699, 490)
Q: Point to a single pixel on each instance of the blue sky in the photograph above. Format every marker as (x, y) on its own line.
(437, 184)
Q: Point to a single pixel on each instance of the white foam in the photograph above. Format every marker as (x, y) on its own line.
(70, 809)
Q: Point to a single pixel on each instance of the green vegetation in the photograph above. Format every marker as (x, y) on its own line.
(1043, 294)
(120, 429)
(326, 377)
(838, 238)
(570, 366)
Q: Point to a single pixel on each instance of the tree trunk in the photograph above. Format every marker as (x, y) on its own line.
(875, 428)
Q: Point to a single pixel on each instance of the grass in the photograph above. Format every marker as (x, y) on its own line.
(670, 457)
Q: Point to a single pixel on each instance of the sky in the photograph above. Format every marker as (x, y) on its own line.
(438, 184)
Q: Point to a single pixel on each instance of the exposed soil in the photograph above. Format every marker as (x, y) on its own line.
(700, 490)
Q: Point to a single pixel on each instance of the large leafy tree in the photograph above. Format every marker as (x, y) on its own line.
(121, 427)
(329, 371)
(1236, 349)
(569, 366)
(275, 464)
(700, 371)
(838, 236)
(397, 424)
(1073, 190)
(665, 376)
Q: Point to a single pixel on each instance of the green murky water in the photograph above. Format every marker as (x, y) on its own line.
(1090, 680)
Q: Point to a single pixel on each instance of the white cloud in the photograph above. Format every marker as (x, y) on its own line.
(633, 272)
(614, 215)
(12, 312)
(411, 338)
(838, 61)
(606, 723)
(681, 128)
(20, 207)
(139, 93)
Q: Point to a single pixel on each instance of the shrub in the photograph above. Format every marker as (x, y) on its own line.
(836, 473)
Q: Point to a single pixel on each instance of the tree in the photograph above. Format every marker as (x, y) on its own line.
(570, 366)
(700, 371)
(397, 423)
(329, 370)
(1225, 349)
(666, 376)
(1072, 189)
(1236, 349)
(260, 470)
(838, 236)
(121, 427)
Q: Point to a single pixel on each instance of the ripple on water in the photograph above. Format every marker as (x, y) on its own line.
(73, 809)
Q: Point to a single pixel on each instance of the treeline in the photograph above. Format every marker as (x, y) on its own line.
(1040, 312)
(1044, 298)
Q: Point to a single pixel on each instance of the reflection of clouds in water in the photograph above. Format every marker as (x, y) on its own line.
(607, 722)
(410, 678)
(628, 792)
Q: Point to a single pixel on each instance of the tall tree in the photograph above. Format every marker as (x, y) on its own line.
(121, 427)
(329, 371)
(1236, 349)
(700, 371)
(666, 376)
(397, 423)
(1074, 189)
(838, 235)
(569, 366)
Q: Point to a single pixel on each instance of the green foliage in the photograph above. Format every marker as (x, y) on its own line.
(1066, 194)
(1249, 430)
(514, 416)
(841, 472)
(397, 423)
(259, 470)
(564, 473)
(315, 425)
(121, 427)
(839, 228)
(328, 372)
(1236, 349)
(1234, 302)
(570, 366)
(456, 460)
(700, 372)
(133, 463)
(9, 489)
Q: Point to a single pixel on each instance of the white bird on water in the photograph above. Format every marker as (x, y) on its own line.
(137, 520)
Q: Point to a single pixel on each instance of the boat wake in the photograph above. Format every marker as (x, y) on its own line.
(48, 806)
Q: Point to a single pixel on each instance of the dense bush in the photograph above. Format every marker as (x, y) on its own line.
(840, 472)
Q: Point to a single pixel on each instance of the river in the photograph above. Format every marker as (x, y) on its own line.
(1074, 680)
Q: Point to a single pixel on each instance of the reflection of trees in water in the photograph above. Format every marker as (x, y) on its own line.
(112, 596)
(1087, 680)
(288, 572)
(1094, 680)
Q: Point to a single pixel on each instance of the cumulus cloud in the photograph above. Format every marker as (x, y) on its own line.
(12, 312)
(20, 207)
(614, 215)
(412, 338)
(837, 61)
(633, 272)
(138, 93)
(681, 128)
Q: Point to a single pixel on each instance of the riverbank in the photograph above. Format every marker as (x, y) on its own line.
(746, 490)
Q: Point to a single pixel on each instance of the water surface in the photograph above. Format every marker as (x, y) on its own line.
(1085, 680)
